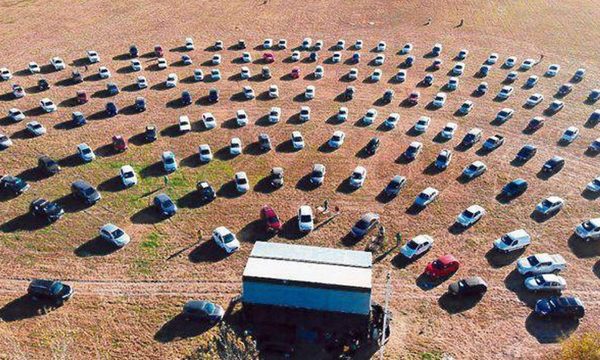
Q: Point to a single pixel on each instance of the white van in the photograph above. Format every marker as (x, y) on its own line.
(512, 241)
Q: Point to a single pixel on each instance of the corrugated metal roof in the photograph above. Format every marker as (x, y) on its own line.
(312, 254)
(309, 265)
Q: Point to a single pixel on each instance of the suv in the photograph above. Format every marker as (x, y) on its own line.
(206, 191)
(48, 165)
(52, 290)
(48, 209)
(473, 136)
(16, 185)
(83, 190)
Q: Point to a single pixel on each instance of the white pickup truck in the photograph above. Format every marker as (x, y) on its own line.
(541, 264)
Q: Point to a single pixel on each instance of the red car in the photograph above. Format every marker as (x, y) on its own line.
(295, 73)
(119, 143)
(268, 57)
(82, 97)
(444, 266)
(535, 123)
(414, 97)
(268, 215)
(158, 51)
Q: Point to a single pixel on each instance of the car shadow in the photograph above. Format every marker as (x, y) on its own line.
(304, 183)
(458, 304)
(514, 283)
(25, 307)
(72, 204)
(147, 215)
(498, 259)
(179, 328)
(114, 184)
(207, 251)
(254, 231)
(426, 283)
(549, 331)
(344, 187)
(24, 222)
(95, 247)
(290, 230)
(583, 249)
(229, 190)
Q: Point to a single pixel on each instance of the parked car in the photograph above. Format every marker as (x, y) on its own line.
(317, 175)
(276, 177)
(270, 219)
(413, 98)
(274, 115)
(482, 88)
(47, 165)
(510, 62)
(505, 92)
(416, 246)
(114, 235)
(444, 266)
(168, 161)
(264, 142)
(198, 75)
(554, 165)
(47, 105)
(550, 205)
(305, 219)
(57, 63)
(392, 120)
(555, 106)
(474, 169)
(83, 190)
(422, 124)
(128, 176)
(164, 205)
(140, 104)
(34, 128)
(242, 184)
(473, 285)
(206, 192)
(534, 99)
(201, 310)
(49, 290)
(304, 113)
(594, 185)
(337, 139)
(535, 123)
(470, 216)
(342, 114)
(531, 81)
(514, 188)
(443, 159)
(297, 140)
(426, 197)
(589, 229)
(184, 124)
(541, 264)
(527, 64)
(151, 133)
(504, 115)
(209, 121)
(395, 185)
(14, 184)
(493, 142)
(205, 153)
(545, 282)
(413, 150)
(118, 143)
(364, 225)
(5, 141)
(570, 134)
(564, 306)
(171, 81)
(49, 210)
(527, 152)
(449, 130)
(103, 72)
(16, 115)
(225, 239)
(5, 74)
(372, 146)
(82, 97)
(141, 82)
(513, 241)
(86, 154)
(213, 95)
(358, 177)
(472, 137)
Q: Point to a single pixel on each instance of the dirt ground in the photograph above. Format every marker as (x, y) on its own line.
(126, 300)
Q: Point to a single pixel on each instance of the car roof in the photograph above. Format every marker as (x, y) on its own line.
(430, 190)
(162, 197)
(446, 259)
(305, 210)
(520, 233)
(277, 170)
(369, 217)
(474, 280)
(109, 227)
(419, 239)
(359, 169)
(318, 167)
(240, 174)
(126, 168)
(82, 184)
(222, 230)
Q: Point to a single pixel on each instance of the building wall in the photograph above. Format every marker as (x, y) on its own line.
(335, 300)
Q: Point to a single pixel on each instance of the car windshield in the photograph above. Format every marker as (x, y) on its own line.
(209, 308)
(167, 203)
(424, 196)
(569, 132)
(56, 288)
(596, 182)
(472, 167)
(539, 280)
(89, 191)
(228, 238)
(547, 203)
(297, 138)
(117, 233)
(362, 224)
(356, 175)
(438, 264)
(169, 160)
(533, 261)
(272, 219)
(128, 175)
(468, 213)
(241, 181)
(317, 173)
(305, 218)
(442, 157)
(507, 240)
(412, 245)
(588, 225)
(411, 150)
(470, 137)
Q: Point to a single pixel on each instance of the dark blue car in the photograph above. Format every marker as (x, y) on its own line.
(514, 188)
(133, 51)
(140, 104)
(78, 118)
(567, 306)
(186, 98)
(213, 95)
(111, 109)
(112, 88)
(164, 205)
(526, 153)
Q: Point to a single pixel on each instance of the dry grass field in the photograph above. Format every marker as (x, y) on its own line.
(125, 300)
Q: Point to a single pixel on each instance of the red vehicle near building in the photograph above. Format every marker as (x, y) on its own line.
(268, 57)
(270, 218)
(444, 266)
(119, 144)
(295, 73)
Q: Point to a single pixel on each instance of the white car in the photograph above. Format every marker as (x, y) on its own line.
(341, 44)
(510, 62)
(85, 152)
(35, 128)
(225, 239)
(205, 154)
(512, 76)
(114, 235)
(273, 91)
(317, 175)
(33, 67)
(184, 123)
(136, 65)
(297, 140)
(306, 43)
(305, 219)
(376, 75)
(198, 75)
(570, 135)
(553, 70)
(57, 63)
(103, 72)
(48, 105)
(505, 92)
(417, 246)
(458, 69)
(245, 73)
(5, 141)
(470, 216)
(295, 56)
(5, 74)
(534, 99)
(594, 185)
(462, 54)
(162, 63)
(474, 169)
(169, 162)
(235, 146)
(426, 197)
(541, 264)
(189, 43)
(171, 80)
(282, 44)
(337, 139)
(248, 92)
(93, 56)
(407, 48)
(453, 83)
(128, 176)
(268, 43)
(241, 118)
(379, 60)
(579, 74)
(319, 72)
(209, 121)
(309, 93)
(246, 57)
(512, 241)
(342, 114)
(545, 282)
(527, 64)
(466, 107)
(504, 115)
(216, 59)
(304, 113)
(422, 124)
(358, 44)
(336, 57)
(492, 59)
(141, 81)
(274, 115)
(392, 120)
(358, 177)
(242, 184)
(439, 100)
(589, 229)
(353, 74)
(369, 116)
(550, 205)
(401, 76)
(381, 46)
(449, 130)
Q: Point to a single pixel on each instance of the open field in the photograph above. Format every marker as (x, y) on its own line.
(124, 300)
